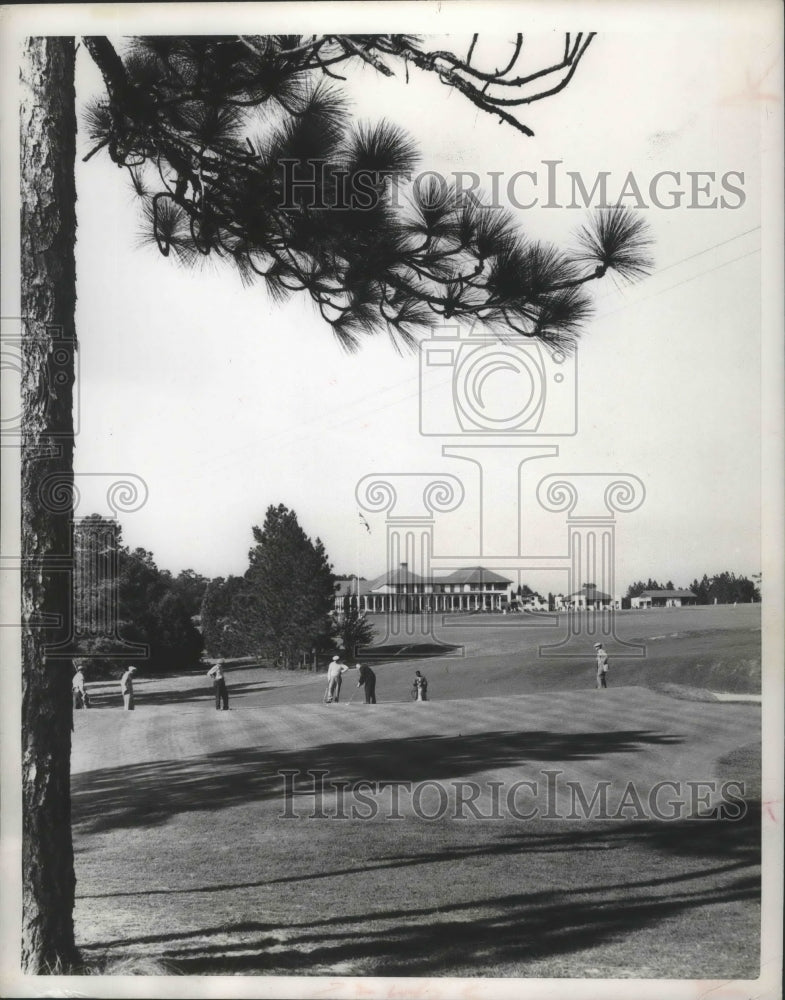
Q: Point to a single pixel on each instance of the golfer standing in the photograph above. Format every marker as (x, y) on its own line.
(78, 691)
(334, 674)
(127, 689)
(420, 687)
(367, 678)
(216, 672)
(602, 665)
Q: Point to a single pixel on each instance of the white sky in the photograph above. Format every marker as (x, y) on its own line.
(225, 403)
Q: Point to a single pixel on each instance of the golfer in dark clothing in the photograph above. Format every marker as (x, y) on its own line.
(219, 684)
(367, 678)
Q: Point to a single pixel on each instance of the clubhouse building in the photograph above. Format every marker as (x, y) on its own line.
(400, 590)
(475, 588)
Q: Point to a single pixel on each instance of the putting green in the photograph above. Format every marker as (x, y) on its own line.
(185, 852)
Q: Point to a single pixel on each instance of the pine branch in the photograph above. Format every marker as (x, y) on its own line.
(184, 106)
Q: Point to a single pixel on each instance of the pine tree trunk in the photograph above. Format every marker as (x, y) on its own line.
(48, 193)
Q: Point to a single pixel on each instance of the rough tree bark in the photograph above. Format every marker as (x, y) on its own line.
(48, 230)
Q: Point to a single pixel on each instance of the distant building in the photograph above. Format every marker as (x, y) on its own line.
(588, 597)
(532, 602)
(473, 588)
(664, 599)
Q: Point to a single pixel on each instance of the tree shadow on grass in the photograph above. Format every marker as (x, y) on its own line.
(689, 866)
(151, 793)
(500, 930)
(735, 844)
(440, 941)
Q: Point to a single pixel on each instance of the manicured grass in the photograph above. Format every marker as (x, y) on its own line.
(184, 855)
(697, 650)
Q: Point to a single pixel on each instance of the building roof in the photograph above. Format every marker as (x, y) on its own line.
(473, 574)
(667, 593)
(396, 577)
(591, 594)
(403, 576)
(348, 588)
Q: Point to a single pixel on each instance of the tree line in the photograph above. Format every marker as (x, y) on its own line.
(152, 607)
(280, 610)
(725, 588)
(722, 588)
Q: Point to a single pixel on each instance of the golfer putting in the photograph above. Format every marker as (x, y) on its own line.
(367, 678)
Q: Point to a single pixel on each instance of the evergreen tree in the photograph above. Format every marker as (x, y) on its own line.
(288, 590)
(727, 588)
(701, 590)
(637, 588)
(267, 192)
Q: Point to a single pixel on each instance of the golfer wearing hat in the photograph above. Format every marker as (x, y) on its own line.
(334, 672)
(602, 665)
(216, 674)
(78, 692)
(127, 688)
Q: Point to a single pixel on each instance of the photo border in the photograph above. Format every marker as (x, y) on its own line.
(425, 17)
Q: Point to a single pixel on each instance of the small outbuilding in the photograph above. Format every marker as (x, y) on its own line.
(664, 599)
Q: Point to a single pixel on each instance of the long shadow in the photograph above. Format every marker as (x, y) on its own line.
(485, 933)
(735, 843)
(201, 692)
(151, 793)
(439, 941)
